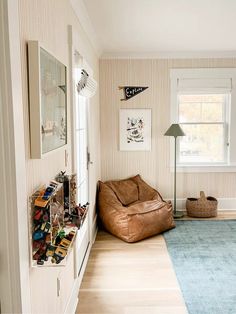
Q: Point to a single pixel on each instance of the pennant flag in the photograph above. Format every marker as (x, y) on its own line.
(131, 91)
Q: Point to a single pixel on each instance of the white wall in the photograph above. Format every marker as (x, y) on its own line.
(14, 274)
(47, 21)
(154, 165)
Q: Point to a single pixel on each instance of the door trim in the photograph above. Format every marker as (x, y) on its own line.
(15, 293)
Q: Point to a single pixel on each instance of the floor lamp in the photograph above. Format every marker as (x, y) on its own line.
(175, 131)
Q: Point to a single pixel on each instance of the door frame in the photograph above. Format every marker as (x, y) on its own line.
(15, 282)
(75, 49)
(75, 44)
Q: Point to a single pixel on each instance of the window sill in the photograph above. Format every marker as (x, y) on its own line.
(205, 168)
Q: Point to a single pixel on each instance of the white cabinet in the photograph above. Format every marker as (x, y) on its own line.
(66, 283)
(51, 287)
(54, 290)
(44, 290)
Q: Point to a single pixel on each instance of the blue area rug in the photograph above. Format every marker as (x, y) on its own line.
(203, 254)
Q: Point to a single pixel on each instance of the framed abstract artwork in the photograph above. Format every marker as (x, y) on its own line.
(48, 101)
(135, 129)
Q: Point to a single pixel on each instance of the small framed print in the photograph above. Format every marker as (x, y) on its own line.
(48, 101)
(135, 129)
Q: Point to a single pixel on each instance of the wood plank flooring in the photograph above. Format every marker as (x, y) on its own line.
(137, 278)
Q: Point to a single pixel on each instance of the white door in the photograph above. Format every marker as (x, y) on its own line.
(81, 167)
(81, 142)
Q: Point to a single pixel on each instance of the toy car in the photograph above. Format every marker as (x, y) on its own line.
(48, 192)
(37, 244)
(70, 235)
(40, 252)
(45, 227)
(50, 250)
(38, 214)
(65, 243)
(40, 202)
(59, 255)
(48, 238)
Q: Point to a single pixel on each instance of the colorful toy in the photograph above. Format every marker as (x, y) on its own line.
(65, 243)
(48, 238)
(46, 227)
(38, 235)
(48, 192)
(59, 255)
(40, 202)
(50, 250)
(70, 235)
(38, 214)
(37, 244)
(40, 252)
(51, 237)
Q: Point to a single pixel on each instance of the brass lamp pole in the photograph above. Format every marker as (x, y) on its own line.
(175, 131)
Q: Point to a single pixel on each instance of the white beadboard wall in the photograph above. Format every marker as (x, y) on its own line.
(47, 21)
(154, 165)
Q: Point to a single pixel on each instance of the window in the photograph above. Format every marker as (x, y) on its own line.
(203, 102)
(204, 119)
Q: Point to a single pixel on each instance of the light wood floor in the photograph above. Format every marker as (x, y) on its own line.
(137, 278)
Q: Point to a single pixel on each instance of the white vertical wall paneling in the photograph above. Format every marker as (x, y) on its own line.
(47, 22)
(154, 165)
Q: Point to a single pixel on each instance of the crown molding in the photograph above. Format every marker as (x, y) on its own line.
(170, 55)
(84, 19)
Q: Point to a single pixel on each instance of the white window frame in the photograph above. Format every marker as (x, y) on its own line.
(77, 128)
(81, 180)
(225, 122)
(206, 73)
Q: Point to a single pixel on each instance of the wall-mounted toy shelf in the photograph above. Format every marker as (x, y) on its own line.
(51, 237)
(55, 220)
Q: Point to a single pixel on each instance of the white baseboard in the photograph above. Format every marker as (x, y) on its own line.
(223, 203)
(73, 302)
(94, 229)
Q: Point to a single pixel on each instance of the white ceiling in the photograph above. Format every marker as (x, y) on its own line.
(156, 26)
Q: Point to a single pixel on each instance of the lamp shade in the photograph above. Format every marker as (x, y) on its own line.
(174, 130)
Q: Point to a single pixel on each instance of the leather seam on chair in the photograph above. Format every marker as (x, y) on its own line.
(148, 211)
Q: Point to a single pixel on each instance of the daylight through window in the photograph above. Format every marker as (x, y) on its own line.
(204, 119)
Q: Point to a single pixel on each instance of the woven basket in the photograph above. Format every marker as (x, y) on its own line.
(203, 207)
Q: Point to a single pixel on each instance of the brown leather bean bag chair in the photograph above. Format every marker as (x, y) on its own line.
(132, 210)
